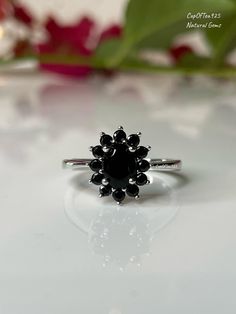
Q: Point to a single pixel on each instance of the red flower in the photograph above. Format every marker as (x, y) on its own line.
(70, 40)
(178, 52)
(22, 14)
(68, 70)
(21, 48)
(3, 9)
(114, 31)
(74, 39)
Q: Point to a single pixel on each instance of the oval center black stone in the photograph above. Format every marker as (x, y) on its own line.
(120, 167)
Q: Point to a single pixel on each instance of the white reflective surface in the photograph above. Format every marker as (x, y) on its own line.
(63, 250)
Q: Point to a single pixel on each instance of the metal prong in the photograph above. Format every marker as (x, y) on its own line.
(139, 133)
(90, 181)
(132, 149)
(118, 203)
(105, 181)
(149, 147)
(102, 133)
(131, 181)
(123, 190)
(136, 197)
(106, 149)
(90, 148)
(148, 182)
(120, 127)
(100, 195)
(100, 171)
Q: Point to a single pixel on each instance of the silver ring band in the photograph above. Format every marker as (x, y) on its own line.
(155, 164)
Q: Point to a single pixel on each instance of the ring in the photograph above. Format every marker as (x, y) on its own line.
(119, 164)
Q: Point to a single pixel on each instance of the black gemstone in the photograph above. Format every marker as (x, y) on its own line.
(97, 178)
(95, 165)
(119, 159)
(97, 151)
(141, 152)
(119, 136)
(118, 195)
(132, 190)
(119, 167)
(141, 179)
(144, 165)
(133, 140)
(110, 152)
(106, 140)
(105, 190)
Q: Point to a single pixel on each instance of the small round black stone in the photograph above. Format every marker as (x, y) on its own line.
(106, 140)
(97, 178)
(97, 151)
(133, 140)
(109, 153)
(95, 165)
(118, 195)
(144, 165)
(119, 136)
(141, 179)
(105, 190)
(141, 152)
(132, 190)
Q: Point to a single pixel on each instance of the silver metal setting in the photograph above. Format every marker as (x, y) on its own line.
(132, 149)
(155, 164)
(137, 163)
(105, 181)
(132, 181)
(106, 149)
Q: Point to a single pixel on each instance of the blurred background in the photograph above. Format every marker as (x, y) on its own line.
(79, 39)
(69, 70)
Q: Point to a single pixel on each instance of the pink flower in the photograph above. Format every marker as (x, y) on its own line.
(178, 52)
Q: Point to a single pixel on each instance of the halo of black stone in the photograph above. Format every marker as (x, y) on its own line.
(119, 165)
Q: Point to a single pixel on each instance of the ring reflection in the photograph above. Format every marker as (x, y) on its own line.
(122, 234)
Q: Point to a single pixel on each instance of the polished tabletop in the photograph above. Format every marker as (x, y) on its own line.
(64, 250)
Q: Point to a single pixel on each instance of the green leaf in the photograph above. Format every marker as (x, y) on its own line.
(191, 60)
(222, 40)
(164, 38)
(145, 18)
(106, 49)
(192, 65)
